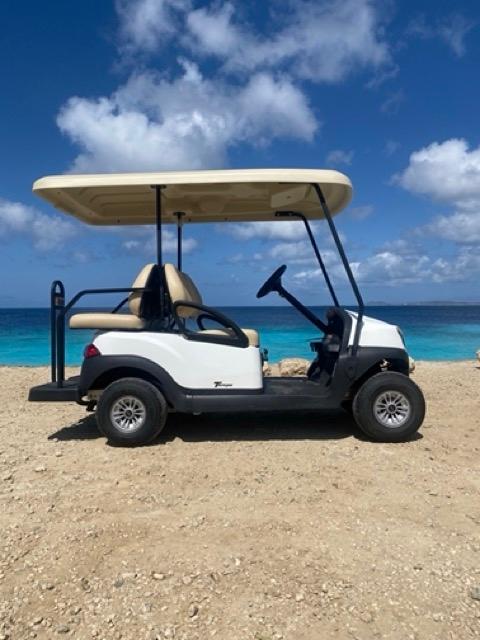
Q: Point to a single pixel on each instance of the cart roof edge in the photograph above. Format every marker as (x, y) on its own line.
(237, 195)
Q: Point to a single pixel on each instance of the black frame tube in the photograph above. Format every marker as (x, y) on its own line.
(86, 292)
(61, 348)
(179, 215)
(158, 221)
(297, 214)
(179, 247)
(57, 302)
(58, 312)
(120, 305)
(346, 265)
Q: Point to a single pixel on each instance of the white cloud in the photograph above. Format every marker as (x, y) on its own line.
(339, 156)
(145, 23)
(452, 30)
(293, 252)
(392, 103)
(146, 243)
(360, 213)
(215, 32)
(286, 230)
(242, 258)
(190, 122)
(391, 147)
(300, 253)
(46, 232)
(383, 74)
(390, 268)
(448, 172)
(460, 227)
(316, 40)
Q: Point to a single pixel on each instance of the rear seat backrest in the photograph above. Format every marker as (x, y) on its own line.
(135, 298)
(143, 306)
(181, 287)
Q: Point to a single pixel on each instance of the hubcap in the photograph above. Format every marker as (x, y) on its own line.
(392, 409)
(128, 414)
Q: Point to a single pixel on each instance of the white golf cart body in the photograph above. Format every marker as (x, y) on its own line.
(193, 365)
(221, 366)
(204, 368)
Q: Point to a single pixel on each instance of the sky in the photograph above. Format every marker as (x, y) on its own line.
(387, 92)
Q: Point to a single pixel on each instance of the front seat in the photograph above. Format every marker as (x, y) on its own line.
(142, 306)
(181, 287)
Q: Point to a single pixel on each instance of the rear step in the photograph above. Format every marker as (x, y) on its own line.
(51, 392)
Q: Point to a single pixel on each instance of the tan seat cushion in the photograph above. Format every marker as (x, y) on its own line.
(118, 320)
(135, 298)
(181, 287)
(106, 321)
(252, 335)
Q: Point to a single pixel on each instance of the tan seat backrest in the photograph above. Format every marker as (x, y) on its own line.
(181, 287)
(135, 299)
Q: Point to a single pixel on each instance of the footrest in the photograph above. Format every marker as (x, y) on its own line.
(51, 392)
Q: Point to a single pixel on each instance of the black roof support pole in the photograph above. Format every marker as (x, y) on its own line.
(158, 220)
(57, 302)
(297, 214)
(346, 265)
(179, 215)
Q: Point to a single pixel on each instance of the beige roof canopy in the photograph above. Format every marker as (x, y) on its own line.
(204, 196)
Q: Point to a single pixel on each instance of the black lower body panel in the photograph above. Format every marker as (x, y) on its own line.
(279, 394)
(51, 392)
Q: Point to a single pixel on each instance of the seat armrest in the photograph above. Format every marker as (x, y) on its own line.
(207, 316)
(239, 339)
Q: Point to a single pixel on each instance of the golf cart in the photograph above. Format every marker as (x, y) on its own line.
(165, 355)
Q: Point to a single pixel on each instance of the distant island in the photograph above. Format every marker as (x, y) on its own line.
(423, 303)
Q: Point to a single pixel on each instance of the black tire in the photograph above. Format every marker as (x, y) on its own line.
(347, 406)
(374, 402)
(147, 406)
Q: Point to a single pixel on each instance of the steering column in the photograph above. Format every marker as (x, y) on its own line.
(274, 283)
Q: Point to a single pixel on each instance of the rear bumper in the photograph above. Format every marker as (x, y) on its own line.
(51, 392)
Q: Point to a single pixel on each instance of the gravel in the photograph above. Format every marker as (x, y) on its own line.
(248, 527)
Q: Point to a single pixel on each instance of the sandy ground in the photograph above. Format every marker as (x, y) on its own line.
(253, 528)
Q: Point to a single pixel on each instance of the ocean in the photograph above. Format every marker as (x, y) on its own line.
(431, 332)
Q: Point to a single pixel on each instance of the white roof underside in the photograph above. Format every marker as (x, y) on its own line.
(204, 196)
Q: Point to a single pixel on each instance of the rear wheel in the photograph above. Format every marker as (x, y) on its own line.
(389, 407)
(131, 411)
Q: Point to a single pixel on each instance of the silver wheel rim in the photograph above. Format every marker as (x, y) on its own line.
(128, 414)
(392, 409)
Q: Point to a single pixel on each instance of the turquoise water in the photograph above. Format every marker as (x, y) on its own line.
(432, 333)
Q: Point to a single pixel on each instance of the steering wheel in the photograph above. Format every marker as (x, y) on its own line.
(273, 281)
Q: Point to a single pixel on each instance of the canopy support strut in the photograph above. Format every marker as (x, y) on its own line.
(158, 223)
(158, 220)
(179, 215)
(297, 214)
(346, 265)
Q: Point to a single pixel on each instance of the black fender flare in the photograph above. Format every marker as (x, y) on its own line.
(99, 371)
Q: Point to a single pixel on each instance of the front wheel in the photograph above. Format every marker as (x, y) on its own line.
(389, 407)
(131, 411)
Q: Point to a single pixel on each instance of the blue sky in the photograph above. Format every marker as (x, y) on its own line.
(387, 92)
